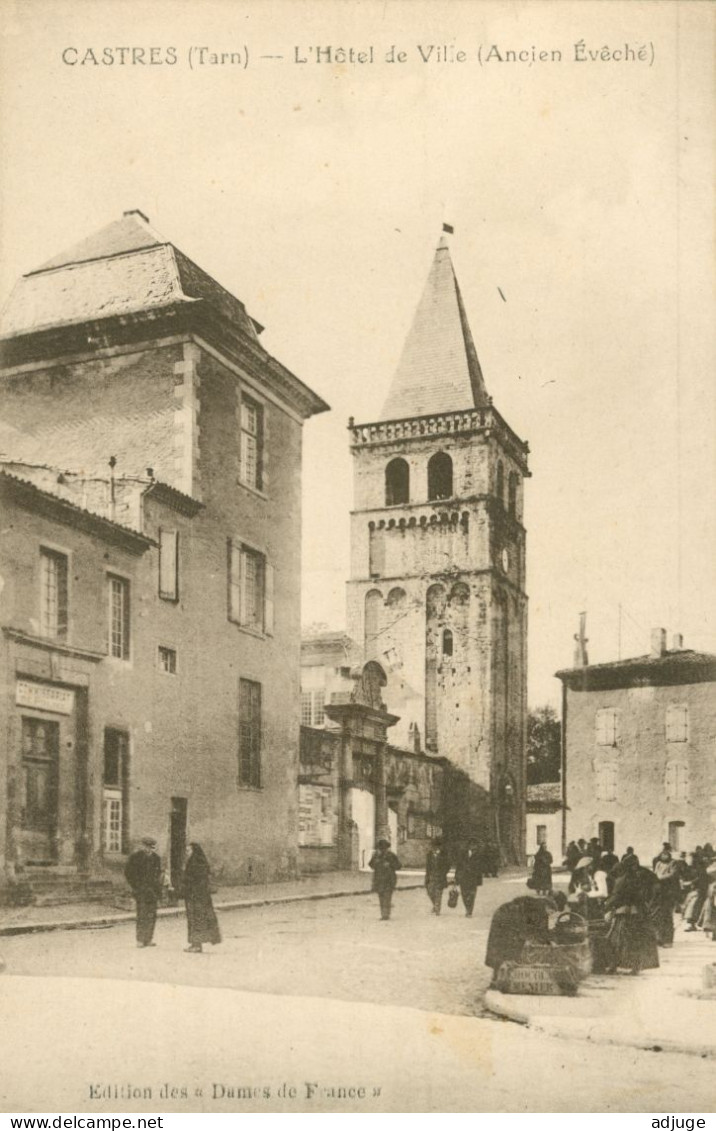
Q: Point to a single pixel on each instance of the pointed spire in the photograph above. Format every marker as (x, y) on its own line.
(438, 370)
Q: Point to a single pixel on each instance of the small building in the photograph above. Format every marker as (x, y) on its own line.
(544, 818)
(150, 567)
(327, 661)
(639, 739)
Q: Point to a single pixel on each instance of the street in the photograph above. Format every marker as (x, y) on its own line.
(334, 948)
(379, 1016)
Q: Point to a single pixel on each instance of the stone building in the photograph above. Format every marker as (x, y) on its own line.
(437, 589)
(354, 782)
(639, 735)
(151, 515)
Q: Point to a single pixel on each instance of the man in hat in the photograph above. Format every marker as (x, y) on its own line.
(468, 874)
(144, 876)
(385, 864)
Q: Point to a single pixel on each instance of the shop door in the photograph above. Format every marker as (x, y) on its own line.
(40, 752)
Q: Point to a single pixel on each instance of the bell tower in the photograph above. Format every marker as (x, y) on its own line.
(437, 590)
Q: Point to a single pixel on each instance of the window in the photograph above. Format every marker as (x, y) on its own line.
(397, 482)
(422, 826)
(677, 781)
(118, 616)
(439, 476)
(447, 642)
(53, 593)
(167, 660)
(500, 482)
(606, 782)
(541, 834)
(677, 723)
(116, 772)
(250, 589)
(512, 494)
(251, 442)
(169, 565)
(312, 704)
(249, 733)
(607, 726)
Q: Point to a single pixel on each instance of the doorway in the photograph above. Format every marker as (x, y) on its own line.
(676, 834)
(40, 754)
(177, 841)
(606, 835)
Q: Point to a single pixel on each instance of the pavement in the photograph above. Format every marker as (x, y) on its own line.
(90, 1046)
(83, 916)
(664, 1010)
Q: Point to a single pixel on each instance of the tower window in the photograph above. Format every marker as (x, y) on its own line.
(500, 482)
(397, 483)
(439, 476)
(512, 494)
(447, 642)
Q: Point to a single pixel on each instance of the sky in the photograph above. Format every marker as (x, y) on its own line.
(316, 192)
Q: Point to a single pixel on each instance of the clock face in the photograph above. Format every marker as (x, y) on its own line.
(505, 560)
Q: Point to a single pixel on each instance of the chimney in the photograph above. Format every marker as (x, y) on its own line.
(136, 212)
(677, 642)
(658, 642)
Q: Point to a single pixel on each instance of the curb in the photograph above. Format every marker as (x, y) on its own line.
(105, 921)
(586, 1028)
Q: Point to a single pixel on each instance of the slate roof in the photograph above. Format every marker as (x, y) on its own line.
(439, 369)
(130, 233)
(682, 666)
(124, 268)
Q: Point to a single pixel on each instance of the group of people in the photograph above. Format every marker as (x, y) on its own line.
(145, 876)
(683, 882)
(634, 904)
(470, 865)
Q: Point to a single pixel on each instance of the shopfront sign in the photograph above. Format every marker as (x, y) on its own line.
(44, 697)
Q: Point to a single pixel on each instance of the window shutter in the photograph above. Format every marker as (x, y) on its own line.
(62, 617)
(168, 564)
(268, 600)
(234, 581)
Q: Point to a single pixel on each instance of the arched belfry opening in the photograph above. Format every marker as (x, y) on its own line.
(440, 485)
(397, 482)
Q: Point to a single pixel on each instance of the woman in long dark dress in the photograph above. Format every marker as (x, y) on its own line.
(667, 894)
(201, 918)
(542, 871)
(632, 939)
